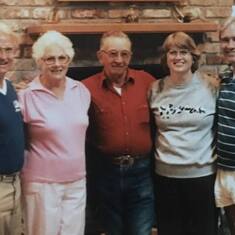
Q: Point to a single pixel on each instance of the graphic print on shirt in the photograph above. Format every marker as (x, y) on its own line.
(166, 111)
(16, 105)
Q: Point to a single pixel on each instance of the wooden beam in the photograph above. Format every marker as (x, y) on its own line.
(97, 28)
(118, 0)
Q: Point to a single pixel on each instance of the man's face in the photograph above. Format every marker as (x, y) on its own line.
(227, 42)
(8, 52)
(115, 56)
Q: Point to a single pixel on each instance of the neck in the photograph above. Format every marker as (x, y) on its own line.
(55, 86)
(52, 84)
(1, 81)
(180, 79)
(118, 81)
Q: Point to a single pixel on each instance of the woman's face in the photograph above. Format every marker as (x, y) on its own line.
(179, 60)
(54, 64)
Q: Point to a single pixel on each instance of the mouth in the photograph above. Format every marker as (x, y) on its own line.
(3, 62)
(118, 67)
(178, 63)
(56, 70)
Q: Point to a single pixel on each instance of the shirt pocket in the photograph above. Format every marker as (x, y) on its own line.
(143, 115)
(103, 115)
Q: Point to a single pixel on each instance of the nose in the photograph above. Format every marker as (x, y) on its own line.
(119, 58)
(57, 62)
(178, 55)
(3, 54)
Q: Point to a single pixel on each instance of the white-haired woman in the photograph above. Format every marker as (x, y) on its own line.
(55, 109)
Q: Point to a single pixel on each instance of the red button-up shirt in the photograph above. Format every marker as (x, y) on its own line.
(120, 124)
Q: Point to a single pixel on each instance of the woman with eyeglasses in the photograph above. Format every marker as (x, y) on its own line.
(55, 109)
(183, 106)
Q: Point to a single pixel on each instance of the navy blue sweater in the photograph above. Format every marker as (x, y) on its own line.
(11, 133)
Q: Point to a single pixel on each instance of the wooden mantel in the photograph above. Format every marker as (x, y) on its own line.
(118, 1)
(97, 28)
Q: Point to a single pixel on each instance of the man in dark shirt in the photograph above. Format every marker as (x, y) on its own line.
(11, 139)
(119, 140)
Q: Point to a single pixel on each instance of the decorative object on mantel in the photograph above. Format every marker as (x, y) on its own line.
(53, 16)
(186, 15)
(132, 15)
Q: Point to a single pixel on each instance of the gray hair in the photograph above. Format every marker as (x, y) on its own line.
(115, 34)
(52, 38)
(5, 29)
(226, 24)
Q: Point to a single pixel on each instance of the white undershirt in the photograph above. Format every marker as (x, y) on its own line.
(118, 90)
(3, 89)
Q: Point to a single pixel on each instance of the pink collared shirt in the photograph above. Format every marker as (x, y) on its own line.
(56, 132)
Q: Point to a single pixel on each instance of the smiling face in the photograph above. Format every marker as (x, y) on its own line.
(8, 51)
(54, 64)
(227, 43)
(179, 60)
(115, 56)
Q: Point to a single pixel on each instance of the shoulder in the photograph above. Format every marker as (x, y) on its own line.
(78, 84)
(9, 83)
(158, 85)
(92, 81)
(80, 90)
(141, 74)
(26, 94)
(155, 89)
(83, 89)
(209, 80)
(28, 89)
(10, 87)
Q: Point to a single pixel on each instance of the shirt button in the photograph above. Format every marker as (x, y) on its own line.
(127, 133)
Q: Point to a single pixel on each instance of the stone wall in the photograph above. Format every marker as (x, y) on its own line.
(24, 13)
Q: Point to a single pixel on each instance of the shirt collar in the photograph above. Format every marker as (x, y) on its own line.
(104, 82)
(3, 90)
(226, 75)
(37, 85)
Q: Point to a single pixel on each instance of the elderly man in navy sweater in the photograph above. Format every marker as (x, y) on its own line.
(11, 138)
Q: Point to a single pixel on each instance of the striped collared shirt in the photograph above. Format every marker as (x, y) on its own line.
(226, 125)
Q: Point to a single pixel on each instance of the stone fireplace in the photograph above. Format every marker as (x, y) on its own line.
(147, 22)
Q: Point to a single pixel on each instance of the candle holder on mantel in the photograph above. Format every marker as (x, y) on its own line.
(132, 15)
(187, 15)
(53, 16)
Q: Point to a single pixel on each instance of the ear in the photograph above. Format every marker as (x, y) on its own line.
(39, 63)
(17, 52)
(99, 56)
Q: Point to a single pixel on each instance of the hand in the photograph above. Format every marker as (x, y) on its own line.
(20, 85)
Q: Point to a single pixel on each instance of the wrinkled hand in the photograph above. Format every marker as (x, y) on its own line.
(20, 85)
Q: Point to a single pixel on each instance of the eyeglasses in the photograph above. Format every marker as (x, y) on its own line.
(52, 59)
(113, 54)
(182, 53)
(227, 39)
(7, 50)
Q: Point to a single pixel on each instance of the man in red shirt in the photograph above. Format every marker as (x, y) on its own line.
(119, 140)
